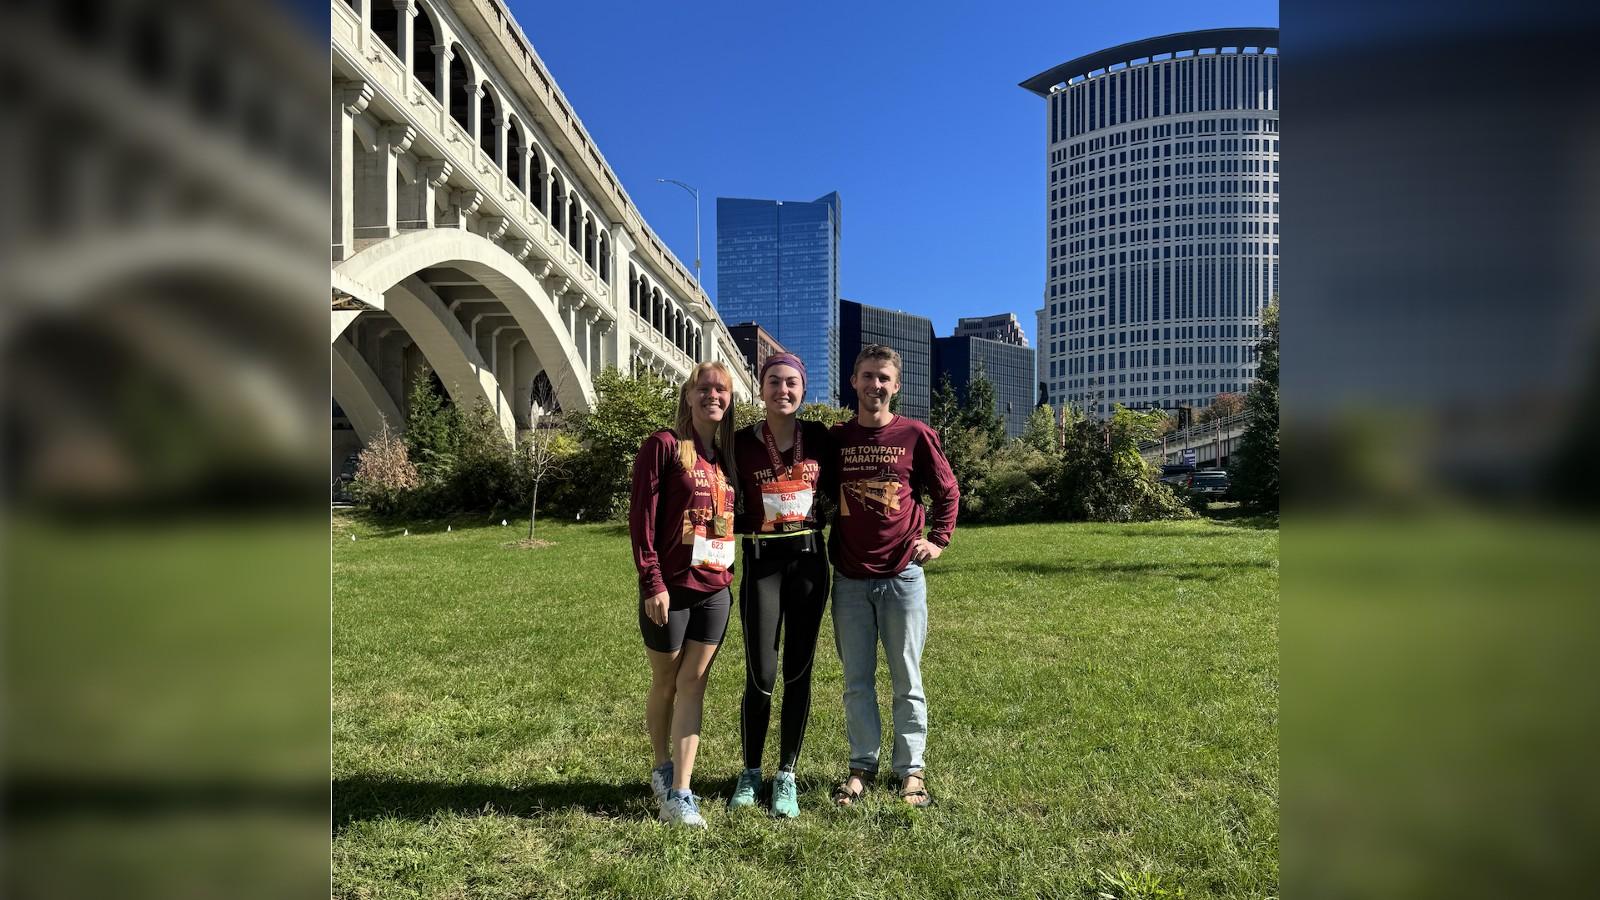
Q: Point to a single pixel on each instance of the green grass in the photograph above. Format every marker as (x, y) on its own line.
(1102, 702)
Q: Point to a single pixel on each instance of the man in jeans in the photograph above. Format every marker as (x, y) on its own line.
(877, 545)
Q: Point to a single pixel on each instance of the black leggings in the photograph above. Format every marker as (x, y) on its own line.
(787, 585)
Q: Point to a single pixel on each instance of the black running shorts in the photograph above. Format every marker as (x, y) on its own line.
(691, 616)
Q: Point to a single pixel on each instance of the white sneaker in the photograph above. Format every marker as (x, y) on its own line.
(660, 780)
(682, 811)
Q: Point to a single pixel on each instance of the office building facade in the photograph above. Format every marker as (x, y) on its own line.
(1002, 327)
(756, 344)
(910, 335)
(1162, 218)
(1040, 385)
(778, 266)
(1007, 366)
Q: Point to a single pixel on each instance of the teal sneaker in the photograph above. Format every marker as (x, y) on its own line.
(785, 796)
(744, 793)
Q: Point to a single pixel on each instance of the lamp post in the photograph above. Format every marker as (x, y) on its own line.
(696, 223)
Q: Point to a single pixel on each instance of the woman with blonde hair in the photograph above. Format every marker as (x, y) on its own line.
(681, 520)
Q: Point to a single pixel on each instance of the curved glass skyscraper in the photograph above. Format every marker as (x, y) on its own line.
(1162, 224)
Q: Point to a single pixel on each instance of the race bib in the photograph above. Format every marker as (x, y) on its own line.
(784, 503)
(711, 553)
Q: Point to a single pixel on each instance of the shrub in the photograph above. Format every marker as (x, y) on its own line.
(627, 410)
(1104, 479)
(826, 413)
(1014, 487)
(384, 474)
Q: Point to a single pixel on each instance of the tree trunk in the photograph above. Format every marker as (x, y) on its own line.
(533, 509)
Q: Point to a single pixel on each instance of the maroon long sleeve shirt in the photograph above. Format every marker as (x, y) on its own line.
(755, 469)
(667, 503)
(881, 471)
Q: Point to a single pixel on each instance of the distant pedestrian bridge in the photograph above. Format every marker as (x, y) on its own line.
(1212, 442)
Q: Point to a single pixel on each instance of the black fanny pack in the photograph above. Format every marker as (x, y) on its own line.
(783, 546)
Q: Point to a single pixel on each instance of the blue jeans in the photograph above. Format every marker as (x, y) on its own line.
(895, 611)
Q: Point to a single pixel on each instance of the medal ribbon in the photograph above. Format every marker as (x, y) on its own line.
(772, 451)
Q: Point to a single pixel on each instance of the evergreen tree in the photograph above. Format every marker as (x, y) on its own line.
(944, 408)
(430, 429)
(979, 413)
(1255, 462)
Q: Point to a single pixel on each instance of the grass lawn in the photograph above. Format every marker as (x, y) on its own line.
(1102, 699)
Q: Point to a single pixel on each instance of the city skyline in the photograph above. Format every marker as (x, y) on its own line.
(851, 126)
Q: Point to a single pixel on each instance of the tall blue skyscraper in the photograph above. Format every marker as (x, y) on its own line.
(778, 265)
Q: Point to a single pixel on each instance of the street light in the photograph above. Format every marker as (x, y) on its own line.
(696, 223)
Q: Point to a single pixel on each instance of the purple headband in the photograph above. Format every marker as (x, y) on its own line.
(783, 359)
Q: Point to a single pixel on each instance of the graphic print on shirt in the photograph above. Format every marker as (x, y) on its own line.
(786, 491)
(786, 503)
(867, 478)
(710, 529)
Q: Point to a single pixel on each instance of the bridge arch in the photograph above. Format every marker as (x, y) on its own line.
(393, 267)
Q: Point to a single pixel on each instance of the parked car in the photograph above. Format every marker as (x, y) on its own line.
(1208, 484)
(1176, 474)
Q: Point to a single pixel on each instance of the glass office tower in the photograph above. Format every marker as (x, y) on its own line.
(1008, 367)
(778, 266)
(910, 335)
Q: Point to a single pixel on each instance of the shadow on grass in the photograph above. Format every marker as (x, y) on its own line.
(1182, 571)
(1145, 531)
(360, 798)
(1235, 515)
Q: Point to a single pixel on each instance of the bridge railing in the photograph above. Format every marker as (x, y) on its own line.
(1196, 435)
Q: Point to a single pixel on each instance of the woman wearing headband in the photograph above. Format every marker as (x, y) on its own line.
(783, 463)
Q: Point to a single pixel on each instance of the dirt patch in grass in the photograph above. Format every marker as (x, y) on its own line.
(531, 544)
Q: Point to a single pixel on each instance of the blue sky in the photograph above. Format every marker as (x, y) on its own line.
(911, 112)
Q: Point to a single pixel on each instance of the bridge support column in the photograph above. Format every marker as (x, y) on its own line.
(376, 191)
(502, 125)
(572, 317)
(393, 372)
(504, 367)
(593, 343)
(441, 85)
(419, 200)
(475, 114)
(350, 98)
(616, 338)
(524, 366)
(407, 10)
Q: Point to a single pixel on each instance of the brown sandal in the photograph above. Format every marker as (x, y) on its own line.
(844, 796)
(917, 797)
